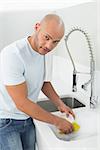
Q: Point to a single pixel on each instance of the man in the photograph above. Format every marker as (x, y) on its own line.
(22, 78)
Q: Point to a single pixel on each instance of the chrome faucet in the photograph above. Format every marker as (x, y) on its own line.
(93, 102)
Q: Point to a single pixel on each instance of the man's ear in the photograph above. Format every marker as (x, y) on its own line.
(37, 26)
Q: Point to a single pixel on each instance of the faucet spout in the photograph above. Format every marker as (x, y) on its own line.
(92, 68)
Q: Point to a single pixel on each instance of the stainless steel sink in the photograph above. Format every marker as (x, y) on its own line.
(69, 101)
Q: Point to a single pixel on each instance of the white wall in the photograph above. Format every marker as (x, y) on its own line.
(38, 4)
(85, 17)
(98, 34)
(15, 24)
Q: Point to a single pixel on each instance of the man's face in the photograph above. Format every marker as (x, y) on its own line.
(47, 38)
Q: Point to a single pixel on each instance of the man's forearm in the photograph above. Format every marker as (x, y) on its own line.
(49, 91)
(36, 112)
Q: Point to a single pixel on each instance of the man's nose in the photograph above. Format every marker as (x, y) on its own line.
(49, 45)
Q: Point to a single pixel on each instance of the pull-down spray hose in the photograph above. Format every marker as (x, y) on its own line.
(92, 63)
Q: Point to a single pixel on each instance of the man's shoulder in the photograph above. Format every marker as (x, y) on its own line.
(21, 44)
(14, 47)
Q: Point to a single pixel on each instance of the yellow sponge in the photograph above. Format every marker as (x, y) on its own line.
(75, 126)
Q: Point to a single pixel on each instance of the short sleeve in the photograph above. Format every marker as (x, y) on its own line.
(12, 68)
(48, 66)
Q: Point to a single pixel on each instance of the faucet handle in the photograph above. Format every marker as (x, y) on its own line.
(84, 87)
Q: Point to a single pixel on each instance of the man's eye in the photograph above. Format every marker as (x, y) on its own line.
(56, 42)
(46, 37)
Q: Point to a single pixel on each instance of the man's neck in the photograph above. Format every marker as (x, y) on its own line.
(32, 43)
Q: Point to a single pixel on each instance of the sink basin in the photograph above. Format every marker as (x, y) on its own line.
(87, 119)
(69, 101)
(87, 138)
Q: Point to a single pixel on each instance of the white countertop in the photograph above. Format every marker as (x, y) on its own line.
(47, 140)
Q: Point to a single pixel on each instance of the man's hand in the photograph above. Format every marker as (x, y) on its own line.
(65, 109)
(63, 125)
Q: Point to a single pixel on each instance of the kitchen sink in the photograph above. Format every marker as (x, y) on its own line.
(86, 119)
(69, 101)
(86, 137)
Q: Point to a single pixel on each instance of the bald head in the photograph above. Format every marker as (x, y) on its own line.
(54, 20)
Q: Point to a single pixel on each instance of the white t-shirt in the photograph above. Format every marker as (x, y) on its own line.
(20, 63)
